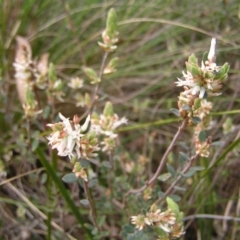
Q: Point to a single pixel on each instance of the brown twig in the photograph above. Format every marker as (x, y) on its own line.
(100, 74)
(162, 162)
(170, 189)
(94, 95)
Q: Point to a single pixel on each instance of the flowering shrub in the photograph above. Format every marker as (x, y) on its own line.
(106, 177)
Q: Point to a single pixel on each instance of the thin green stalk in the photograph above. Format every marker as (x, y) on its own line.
(91, 204)
(52, 173)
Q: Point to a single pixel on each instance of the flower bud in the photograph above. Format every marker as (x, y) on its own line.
(212, 51)
(92, 75)
(52, 73)
(30, 101)
(108, 110)
(111, 67)
(111, 27)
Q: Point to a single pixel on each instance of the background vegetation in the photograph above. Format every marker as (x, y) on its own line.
(156, 37)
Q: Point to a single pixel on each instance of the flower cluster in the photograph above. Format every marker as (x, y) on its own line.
(202, 145)
(166, 221)
(105, 126)
(70, 139)
(204, 80)
(24, 75)
(199, 82)
(31, 75)
(79, 171)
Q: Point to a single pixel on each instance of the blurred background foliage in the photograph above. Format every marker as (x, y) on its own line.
(156, 37)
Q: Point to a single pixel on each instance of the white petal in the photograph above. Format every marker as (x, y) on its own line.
(212, 51)
(147, 221)
(62, 147)
(66, 123)
(195, 89)
(164, 228)
(202, 92)
(70, 143)
(78, 152)
(119, 122)
(85, 125)
(62, 117)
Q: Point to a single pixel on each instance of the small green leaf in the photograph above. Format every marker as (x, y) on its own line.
(92, 183)
(138, 235)
(197, 168)
(92, 75)
(192, 170)
(223, 77)
(192, 59)
(30, 98)
(46, 112)
(164, 177)
(102, 220)
(205, 57)
(44, 178)
(113, 62)
(180, 217)
(196, 120)
(52, 76)
(171, 170)
(106, 164)
(180, 188)
(84, 202)
(175, 197)
(172, 205)
(129, 228)
(197, 103)
(225, 68)
(186, 107)
(202, 136)
(217, 143)
(70, 178)
(160, 194)
(108, 110)
(175, 111)
(111, 27)
(188, 174)
(184, 156)
(196, 71)
(94, 231)
(84, 163)
(89, 226)
(35, 144)
(189, 67)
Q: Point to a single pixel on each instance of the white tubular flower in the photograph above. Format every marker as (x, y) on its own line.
(85, 125)
(212, 51)
(66, 136)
